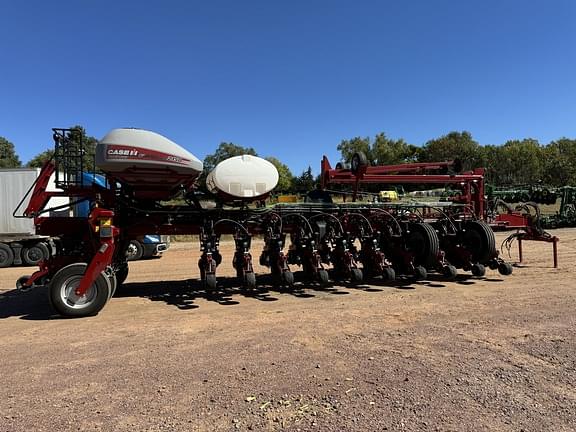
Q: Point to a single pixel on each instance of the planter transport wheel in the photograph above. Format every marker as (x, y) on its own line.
(64, 298)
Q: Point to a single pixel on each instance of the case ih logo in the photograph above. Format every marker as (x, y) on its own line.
(122, 152)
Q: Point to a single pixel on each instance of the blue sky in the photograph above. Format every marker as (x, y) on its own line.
(291, 78)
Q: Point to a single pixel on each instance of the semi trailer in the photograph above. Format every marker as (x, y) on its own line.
(19, 242)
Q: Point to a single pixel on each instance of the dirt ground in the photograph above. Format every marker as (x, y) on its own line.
(496, 353)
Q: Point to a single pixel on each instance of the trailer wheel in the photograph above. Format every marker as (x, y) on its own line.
(478, 270)
(34, 254)
(505, 269)
(388, 274)
(135, 251)
(211, 282)
(6, 255)
(64, 299)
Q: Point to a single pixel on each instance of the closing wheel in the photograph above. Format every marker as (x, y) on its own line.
(323, 277)
(505, 269)
(6, 255)
(420, 273)
(388, 274)
(359, 160)
(288, 278)
(35, 253)
(211, 282)
(63, 297)
(356, 276)
(449, 272)
(250, 281)
(478, 270)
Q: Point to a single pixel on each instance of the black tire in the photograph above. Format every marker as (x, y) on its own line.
(480, 241)
(423, 241)
(420, 273)
(288, 278)
(388, 274)
(6, 255)
(323, 277)
(66, 303)
(32, 255)
(250, 281)
(505, 269)
(478, 270)
(356, 276)
(211, 282)
(135, 251)
(450, 272)
(359, 161)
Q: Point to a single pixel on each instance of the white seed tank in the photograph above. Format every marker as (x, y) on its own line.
(126, 148)
(243, 177)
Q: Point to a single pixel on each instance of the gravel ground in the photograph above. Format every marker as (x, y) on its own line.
(495, 353)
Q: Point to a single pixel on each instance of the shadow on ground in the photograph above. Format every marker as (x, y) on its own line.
(34, 305)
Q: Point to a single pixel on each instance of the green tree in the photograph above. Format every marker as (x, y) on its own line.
(387, 151)
(455, 145)
(285, 175)
(89, 143)
(305, 182)
(40, 159)
(8, 156)
(520, 162)
(559, 166)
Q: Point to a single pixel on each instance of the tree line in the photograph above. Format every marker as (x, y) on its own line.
(516, 162)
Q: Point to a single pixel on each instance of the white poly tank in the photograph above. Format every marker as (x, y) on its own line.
(243, 177)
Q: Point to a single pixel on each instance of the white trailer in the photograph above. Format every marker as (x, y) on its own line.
(19, 244)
